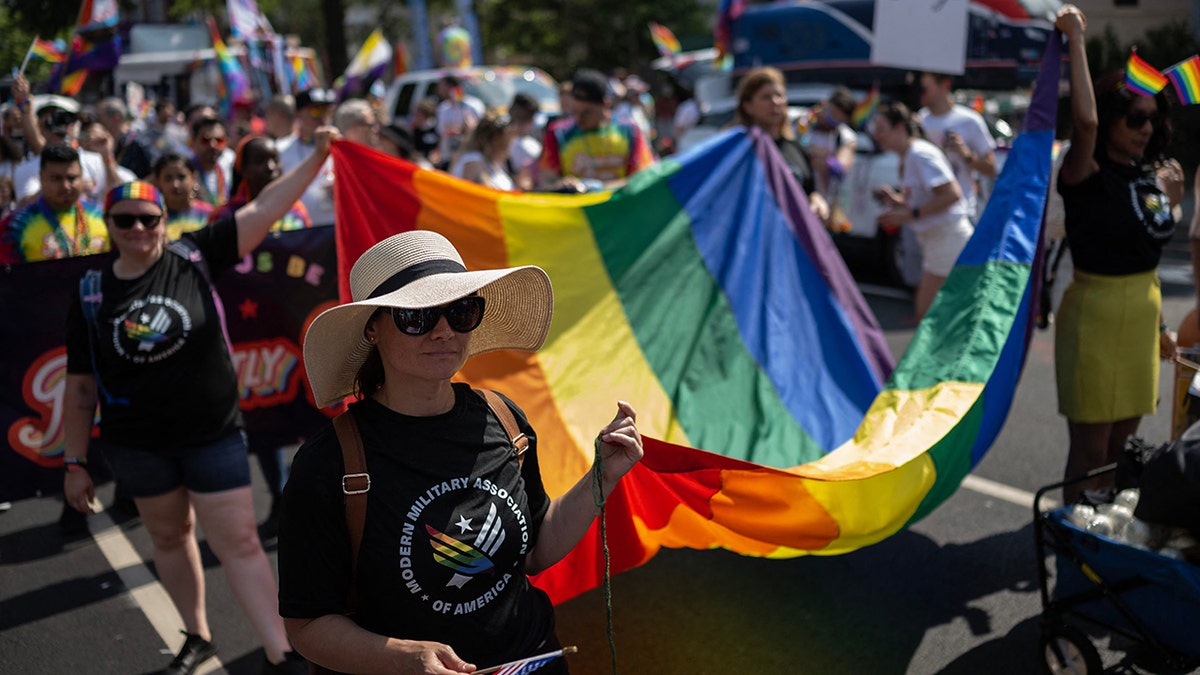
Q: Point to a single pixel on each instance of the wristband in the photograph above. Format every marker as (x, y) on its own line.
(916, 213)
(75, 461)
(1162, 328)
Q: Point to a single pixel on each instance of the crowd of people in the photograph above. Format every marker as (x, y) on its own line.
(181, 197)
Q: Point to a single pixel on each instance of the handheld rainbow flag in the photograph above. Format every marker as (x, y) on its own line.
(664, 40)
(727, 12)
(865, 109)
(236, 86)
(1141, 77)
(302, 76)
(54, 51)
(1185, 76)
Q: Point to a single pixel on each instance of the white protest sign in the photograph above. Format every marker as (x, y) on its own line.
(921, 35)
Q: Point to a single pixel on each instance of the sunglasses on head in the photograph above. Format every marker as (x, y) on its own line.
(463, 316)
(125, 221)
(1137, 120)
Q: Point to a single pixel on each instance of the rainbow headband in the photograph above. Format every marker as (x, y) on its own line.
(139, 190)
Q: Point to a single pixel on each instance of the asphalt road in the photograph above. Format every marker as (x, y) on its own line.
(956, 593)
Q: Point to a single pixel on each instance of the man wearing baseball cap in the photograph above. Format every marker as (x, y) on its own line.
(55, 119)
(591, 151)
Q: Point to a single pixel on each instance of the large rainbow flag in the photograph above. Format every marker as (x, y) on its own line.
(705, 293)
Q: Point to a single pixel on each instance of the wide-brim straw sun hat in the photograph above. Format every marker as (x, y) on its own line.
(415, 270)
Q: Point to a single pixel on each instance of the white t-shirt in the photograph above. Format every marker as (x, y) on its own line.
(969, 125)
(829, 140)
(687, 115)
(318, 196)
(453, 118)
(27, 181)
(524, 151)
(495, 176)
(925, 168)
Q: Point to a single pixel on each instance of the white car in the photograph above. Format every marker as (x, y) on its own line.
(495, 86)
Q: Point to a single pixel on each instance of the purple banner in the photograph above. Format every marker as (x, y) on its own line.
(270, 298)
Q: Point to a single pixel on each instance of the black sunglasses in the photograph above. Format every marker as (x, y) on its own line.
(1135, 121)
(58, 118)
(463, 316)
(124, 221)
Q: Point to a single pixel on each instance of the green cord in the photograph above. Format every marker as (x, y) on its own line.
(598, 497)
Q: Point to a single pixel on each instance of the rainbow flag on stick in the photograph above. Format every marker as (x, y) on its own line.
(236, 84)
(1185, 76)
(664, 40)
(1141, 77)
(866, 108)
(707, 293)
(54, 51)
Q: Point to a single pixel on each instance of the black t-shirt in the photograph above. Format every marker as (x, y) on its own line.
(797, 161)
(1117, 220)
(449, 521)
(426, 138)
(162, 351)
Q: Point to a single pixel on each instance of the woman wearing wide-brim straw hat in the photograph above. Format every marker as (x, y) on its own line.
(454, 520)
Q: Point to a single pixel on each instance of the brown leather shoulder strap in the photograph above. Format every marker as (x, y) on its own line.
(356, 482)
(500, 409)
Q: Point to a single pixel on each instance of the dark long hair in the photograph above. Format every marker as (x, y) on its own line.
(369, 378)
(1113, 101)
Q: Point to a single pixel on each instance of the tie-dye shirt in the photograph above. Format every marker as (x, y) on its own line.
(195, 217)
(37, 232)
(612, 152)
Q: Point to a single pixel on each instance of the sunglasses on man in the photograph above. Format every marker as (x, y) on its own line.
(463, 315)
(125, 221)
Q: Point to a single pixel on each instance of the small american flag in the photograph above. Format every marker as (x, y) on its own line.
(528, 665)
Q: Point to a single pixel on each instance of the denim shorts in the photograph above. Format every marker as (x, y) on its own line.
(215, 467)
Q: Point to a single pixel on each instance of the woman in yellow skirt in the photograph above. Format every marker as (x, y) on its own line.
(1110, 334)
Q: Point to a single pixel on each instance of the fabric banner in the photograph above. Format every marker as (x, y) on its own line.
(269, 298)
(706, 293)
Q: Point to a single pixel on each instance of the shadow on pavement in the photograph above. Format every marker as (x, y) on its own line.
(689, 612)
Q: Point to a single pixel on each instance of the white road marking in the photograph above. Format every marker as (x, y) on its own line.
(1007, 493)
(147, 593)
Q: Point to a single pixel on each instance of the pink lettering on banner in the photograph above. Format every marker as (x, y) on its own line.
(40, 439)
(267, 372)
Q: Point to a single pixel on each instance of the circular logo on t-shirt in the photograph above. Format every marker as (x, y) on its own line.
(1152, 207)
(151, 329)
(460, 542)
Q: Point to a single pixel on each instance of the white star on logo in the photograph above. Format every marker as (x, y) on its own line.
(464, 524)
(144, 318)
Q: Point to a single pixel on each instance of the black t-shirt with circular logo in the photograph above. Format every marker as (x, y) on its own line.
(450, 518)
(161, 350)
(1118, 220)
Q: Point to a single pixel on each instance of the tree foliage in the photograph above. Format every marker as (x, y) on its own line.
(561, 36)
(47, 18)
